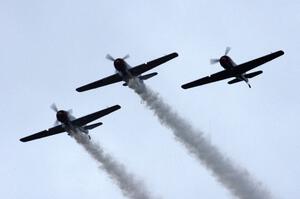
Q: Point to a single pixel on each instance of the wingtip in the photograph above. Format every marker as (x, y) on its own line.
(183, 86)
(279, 52)
(115, 107)
(118, 106)
(79, 90)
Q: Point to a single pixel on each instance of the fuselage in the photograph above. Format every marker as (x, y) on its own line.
(122, 68)
(228, 64)
(65, 118)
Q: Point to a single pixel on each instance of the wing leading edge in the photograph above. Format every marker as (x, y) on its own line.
(135, 71)
(77, 122)
(242, 68)
(239, 69)
(209, 79)
(94, 116)
(138, 70)
(102, 82)
(52, 131)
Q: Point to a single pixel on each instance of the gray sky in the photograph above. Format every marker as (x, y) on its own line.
(48, 48)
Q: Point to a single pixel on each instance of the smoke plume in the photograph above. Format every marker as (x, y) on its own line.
(129, 185)
(234, 178)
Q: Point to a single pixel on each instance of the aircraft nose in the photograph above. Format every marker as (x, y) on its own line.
(224, 60)
(118, 63)
(62, 116)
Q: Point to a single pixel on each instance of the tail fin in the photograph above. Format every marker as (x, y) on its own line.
(92, 126)
(148, 76)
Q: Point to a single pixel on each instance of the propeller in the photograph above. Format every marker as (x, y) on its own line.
(54, 107)
(56, 123)
(217, 60)
(227, 50)
(126, 56)
(214, 61)
(109, 57)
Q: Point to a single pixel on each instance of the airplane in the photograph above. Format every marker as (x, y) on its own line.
(70, 124)
(238, 71)
(124, 72)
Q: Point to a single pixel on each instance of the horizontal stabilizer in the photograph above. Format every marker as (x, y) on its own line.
(148, 76)
(234, 81)
(250, 75)
(92, 126)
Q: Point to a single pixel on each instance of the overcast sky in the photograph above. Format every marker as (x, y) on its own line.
(49, 48)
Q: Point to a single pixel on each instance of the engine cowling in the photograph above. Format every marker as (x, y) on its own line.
(62, 116)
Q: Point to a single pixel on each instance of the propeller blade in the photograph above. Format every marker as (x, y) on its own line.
(54, 107)
(214, 61)
(126, 56)
(227, 50)
(56, 123)
(109, 57)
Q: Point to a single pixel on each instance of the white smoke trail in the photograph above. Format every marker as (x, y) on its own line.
(237, 180)
(129, 185)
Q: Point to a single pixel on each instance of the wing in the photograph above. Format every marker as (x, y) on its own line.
(91, 117)
(137, 70)
(102, 82)
(52, 131)
(209, 79)
(242, 68)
